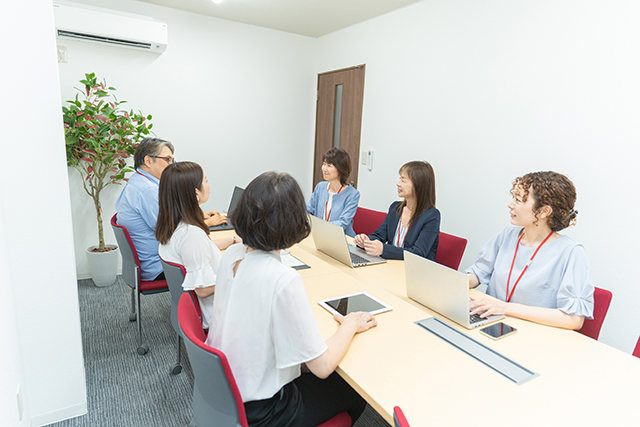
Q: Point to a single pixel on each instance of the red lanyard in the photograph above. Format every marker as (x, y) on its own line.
(327, 215)
(398, 232)
(144, 175)
(508, 296)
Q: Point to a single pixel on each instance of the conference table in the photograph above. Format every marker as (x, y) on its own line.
(398, 363)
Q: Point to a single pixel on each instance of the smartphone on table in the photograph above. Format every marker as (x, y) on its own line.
(498, 330)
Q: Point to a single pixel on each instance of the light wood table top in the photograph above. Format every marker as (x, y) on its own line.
(582, 382)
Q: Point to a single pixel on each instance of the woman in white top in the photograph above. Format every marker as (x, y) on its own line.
(262, 319)
(536, 273)
(183, 234)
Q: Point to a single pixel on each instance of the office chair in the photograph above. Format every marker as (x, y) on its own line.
(450, 250)
(131, 276)
(174, 274)
(601, 302)
(216, 397)
(636, 351)
(398, 418)
(366, 221)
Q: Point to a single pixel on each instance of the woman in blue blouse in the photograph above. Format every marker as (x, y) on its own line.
(536, 273)
(411, 225)
(333, 199)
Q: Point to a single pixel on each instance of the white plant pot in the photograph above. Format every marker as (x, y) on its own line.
(103, 266)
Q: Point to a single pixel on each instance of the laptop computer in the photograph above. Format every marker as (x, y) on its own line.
(330, 239)
(441, 289)
(237, 191)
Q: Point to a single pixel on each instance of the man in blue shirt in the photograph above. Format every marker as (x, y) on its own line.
(137, 206)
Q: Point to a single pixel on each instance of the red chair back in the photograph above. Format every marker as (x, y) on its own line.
(366, 221)
(450, 250)
(636, 351)
(130, 260)
(601, 302)
(215, 395)
(398, 418)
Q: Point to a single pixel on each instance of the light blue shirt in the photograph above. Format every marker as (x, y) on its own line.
(137, 209)
(343, 206)
(558, 277)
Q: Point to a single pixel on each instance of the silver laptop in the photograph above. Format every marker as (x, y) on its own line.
(441, 289)
(330, 239)
(237, 192)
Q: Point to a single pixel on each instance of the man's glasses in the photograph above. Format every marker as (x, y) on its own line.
(168, 159)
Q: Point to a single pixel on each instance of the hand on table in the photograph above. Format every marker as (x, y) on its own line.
(362, 320)
(487, 307)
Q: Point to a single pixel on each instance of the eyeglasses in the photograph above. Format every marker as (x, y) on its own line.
(168, 159)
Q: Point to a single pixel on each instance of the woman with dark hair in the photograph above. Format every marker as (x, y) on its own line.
(333, 199)
(411, 225)
(263, 322)
(536, 273)
(183, 234)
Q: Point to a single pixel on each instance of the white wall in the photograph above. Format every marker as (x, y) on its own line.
(238, 99)
(487, 91)
(40, 322)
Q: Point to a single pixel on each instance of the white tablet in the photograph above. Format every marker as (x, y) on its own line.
(360, 301)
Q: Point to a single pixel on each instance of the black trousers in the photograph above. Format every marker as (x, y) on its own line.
(306, 401)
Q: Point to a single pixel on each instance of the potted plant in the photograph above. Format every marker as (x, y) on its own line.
(100, 136)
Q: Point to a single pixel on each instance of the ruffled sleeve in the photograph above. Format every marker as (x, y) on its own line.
(201, 258)
(575, 295)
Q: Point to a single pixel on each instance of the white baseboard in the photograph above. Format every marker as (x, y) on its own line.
(86, 275)
(59, 415)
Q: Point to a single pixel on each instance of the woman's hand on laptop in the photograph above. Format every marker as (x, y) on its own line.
(360, 239)
(373, 247)
(212, 218)
(486, 307)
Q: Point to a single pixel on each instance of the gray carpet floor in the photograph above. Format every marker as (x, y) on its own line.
(124, 388)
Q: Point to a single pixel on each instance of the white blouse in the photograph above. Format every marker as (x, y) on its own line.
(190, 246)
(262, 320)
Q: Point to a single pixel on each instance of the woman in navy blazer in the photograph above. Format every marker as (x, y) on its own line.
(411, 225)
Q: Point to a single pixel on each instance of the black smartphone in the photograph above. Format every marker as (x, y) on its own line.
(498, 330)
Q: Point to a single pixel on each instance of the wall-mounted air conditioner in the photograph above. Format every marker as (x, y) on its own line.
(109, 27)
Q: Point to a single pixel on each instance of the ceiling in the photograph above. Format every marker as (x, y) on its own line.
(312, 18)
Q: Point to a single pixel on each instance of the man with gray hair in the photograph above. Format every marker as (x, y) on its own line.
(137, 205)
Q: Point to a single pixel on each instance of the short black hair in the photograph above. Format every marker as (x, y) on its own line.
(341, 161)
(149, 147)
(271, 213)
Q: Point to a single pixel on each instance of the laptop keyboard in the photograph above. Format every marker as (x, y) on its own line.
(358, 260)
(475, 318)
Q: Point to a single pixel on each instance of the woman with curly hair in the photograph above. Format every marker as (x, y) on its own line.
(536, 273)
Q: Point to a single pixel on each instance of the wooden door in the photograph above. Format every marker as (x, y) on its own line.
(339, 117)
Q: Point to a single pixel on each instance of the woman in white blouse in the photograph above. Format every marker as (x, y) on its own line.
(262, 319)
(183, 234)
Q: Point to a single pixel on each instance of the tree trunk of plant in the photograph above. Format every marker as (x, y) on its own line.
(96, 203)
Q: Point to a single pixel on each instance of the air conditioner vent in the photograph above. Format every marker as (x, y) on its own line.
(99, 39)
